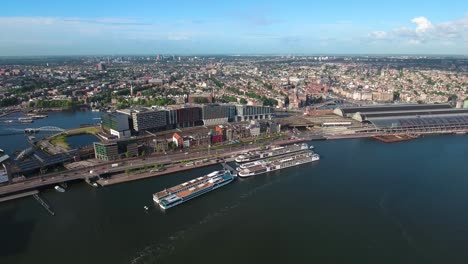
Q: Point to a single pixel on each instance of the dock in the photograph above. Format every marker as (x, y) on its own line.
(229, 168)
(17, 196)
(43, 203)
(394, 138)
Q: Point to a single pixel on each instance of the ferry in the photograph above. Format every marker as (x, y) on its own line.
(188, 190)
(279, 163)
(275, 151)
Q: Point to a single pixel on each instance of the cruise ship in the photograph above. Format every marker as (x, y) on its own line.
(188, 190)
(279, 163)
(275, 151)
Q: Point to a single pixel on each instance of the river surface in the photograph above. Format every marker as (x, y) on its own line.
(363, 202)
(12, 137)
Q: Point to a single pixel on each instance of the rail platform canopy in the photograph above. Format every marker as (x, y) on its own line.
(349, 111)
(421, 122)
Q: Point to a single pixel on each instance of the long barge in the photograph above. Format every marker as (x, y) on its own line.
(274, 151)
(264, 166)
(188, 190)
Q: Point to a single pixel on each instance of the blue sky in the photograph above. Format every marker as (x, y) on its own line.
(47, 27)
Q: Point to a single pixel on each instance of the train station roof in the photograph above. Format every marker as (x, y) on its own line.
(363, 116)
(349, 111)
(426, 121)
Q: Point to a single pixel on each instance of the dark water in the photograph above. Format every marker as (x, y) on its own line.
(83, 140)
(12, 140)
(363, 202)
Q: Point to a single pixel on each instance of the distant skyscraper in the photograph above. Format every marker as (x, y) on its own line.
(101, 66)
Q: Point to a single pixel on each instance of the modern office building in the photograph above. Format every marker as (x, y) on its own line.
(116, 124)
(188, 116)
(101, 66)
(251, 112)
(106, 151)
(146, 118)
(215, 114)
(231, 113)
(171, 117)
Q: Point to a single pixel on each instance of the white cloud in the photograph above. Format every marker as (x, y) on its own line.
(422, 24)
(378, 35)
(426, 32)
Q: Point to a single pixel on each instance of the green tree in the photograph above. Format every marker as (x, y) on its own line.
(8, 101)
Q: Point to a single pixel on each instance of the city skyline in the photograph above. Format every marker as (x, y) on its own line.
(295, 27)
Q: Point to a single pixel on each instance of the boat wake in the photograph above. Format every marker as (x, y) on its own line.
(386, 211)
(156, 252)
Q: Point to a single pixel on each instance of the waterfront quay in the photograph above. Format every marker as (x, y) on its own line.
(117, 174)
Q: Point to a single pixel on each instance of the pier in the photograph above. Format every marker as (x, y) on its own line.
(228, 167)
(17, 196)
(43, 203)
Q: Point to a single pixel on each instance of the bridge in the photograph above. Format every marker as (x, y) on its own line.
(37, 130)
(47, 129)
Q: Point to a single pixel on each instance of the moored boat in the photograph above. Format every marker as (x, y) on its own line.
(279, 163)
(274, 151)
(59, 189)
(188, 190)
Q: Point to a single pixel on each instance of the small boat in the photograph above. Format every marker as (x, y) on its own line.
(146, 208)
(59, 189)
(311, 147)
(95, 185)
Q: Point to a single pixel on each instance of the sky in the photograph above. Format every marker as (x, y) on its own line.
(104, 27)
